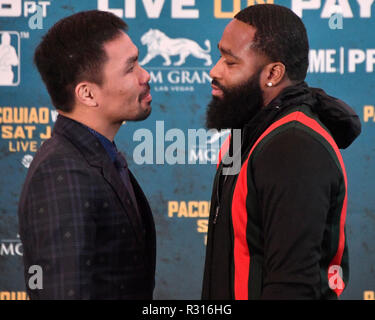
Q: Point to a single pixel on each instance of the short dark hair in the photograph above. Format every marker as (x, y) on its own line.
(281, 35)
(73, 51)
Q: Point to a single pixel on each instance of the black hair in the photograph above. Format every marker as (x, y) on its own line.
(280, 35)
(73, 51)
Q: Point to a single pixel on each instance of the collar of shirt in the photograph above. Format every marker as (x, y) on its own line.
(108, 145)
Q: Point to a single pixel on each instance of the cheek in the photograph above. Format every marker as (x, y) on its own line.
(132, 87)
(125, 89)
(237, 75)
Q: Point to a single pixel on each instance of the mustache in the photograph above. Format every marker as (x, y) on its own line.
(218, 84)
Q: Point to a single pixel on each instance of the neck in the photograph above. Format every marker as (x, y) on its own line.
(94, 122)
(271, 93)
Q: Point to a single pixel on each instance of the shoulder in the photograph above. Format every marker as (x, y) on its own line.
(299, 130)
(292, 139)
(296, 152)
(57, 155)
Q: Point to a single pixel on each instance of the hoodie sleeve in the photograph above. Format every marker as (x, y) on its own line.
(295, 178)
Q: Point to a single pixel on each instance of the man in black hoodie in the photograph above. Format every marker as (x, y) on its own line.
(276, 228)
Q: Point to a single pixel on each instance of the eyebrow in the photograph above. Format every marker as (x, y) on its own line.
(227, 52)
(132, 59)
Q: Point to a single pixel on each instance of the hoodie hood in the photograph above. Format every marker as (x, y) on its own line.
(340, 119)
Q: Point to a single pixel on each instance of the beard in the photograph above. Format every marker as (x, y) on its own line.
(238, 105)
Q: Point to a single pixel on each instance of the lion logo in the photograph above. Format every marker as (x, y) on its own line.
(159, 44)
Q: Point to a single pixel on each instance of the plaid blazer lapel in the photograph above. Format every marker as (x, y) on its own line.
(113, 177)
(96, 155)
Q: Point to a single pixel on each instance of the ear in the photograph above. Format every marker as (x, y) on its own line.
(84, 92)
(273, 74)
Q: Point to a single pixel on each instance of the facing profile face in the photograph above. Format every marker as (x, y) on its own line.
(124, 94)
(236, 92)
(238, 61)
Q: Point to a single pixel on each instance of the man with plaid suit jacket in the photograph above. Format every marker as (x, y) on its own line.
(83, 218)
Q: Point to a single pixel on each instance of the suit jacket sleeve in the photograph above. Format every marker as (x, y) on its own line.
(295, 178)
(59, 220)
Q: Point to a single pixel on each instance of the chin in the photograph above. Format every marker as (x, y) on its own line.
(144, 114)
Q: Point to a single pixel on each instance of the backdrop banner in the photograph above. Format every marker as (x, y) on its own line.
(167, 152)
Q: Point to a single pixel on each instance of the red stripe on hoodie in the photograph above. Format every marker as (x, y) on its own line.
(239, 212)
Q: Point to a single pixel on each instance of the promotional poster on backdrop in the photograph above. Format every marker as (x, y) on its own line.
(171, 153)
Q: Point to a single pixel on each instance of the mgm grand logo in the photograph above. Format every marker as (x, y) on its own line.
(11, 247)
(171, 56)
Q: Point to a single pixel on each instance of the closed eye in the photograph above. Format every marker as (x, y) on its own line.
(130, 69)
(130, 63)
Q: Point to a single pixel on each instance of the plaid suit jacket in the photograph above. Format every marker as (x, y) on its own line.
(77, 222)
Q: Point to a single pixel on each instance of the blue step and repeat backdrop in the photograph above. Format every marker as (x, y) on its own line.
(342, 61)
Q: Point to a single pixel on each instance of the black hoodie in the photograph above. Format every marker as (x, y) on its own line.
(277, 229)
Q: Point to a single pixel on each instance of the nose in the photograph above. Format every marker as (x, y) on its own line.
(216, 71)
(145, 76)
